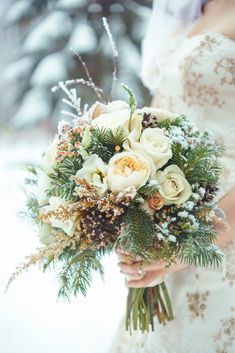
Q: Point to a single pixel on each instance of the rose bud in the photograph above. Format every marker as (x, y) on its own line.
(156, 201)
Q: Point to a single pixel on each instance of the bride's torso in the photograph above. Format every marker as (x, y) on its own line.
(196, 77)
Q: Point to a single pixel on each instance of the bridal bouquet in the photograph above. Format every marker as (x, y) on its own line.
(140, 179)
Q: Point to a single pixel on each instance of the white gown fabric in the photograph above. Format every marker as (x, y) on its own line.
(195, 77)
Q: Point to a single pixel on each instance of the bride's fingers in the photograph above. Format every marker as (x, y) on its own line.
(120, 250)
(137, 266)
(146, 280)
(134, 276)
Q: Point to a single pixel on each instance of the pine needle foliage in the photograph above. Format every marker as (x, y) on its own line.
(197, 249)
(148, 190)
(61, 184)
(168, 123)
(32, 206)
(75, 275)
(138, 231)
(104, 142)
(62, 189)
(68, 167)
(199, 164)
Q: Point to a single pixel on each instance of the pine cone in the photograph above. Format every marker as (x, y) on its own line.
(210, 193)
(149, 120)
(100, 226)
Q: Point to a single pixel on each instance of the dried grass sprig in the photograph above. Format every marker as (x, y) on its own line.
(55, 249)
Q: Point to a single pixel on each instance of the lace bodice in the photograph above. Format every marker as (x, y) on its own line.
(196, 77)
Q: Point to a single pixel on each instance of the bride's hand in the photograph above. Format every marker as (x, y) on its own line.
(142, 275)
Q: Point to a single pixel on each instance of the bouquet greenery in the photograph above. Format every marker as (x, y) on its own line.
(142, 179)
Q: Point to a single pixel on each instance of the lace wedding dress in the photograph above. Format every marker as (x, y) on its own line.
(196, 77)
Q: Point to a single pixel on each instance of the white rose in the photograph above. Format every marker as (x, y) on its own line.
(173, 186)
(137, 118)
(51, 151)
(48, 161)
(155, 145)
(68, 225)
(93, 171)
(111, 116)
(160, 114)
(42, 186)
(127, 169)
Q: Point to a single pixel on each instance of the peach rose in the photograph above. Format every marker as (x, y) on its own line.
(156, 201)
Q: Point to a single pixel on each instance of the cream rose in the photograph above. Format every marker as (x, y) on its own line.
(68, 225)
(159, 114)
(173, 186)
(111, 116)
(155, 145)
(44, 184)
(137, 120)
(94, 170)
(48, 161)
(127, 169)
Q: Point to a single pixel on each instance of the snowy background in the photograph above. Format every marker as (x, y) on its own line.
(35, 37)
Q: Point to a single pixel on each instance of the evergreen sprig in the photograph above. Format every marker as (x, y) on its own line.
(62, 189)
(179, 121)
(76, 274)
(68, 167)
(60, 179)
(104, 141)
(32, 206)
(202, 164)
(197, 249)
(199, 164)
(179, 155)
(138, 231)
(148, 190)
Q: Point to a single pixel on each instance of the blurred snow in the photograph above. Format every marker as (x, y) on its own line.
(83, 39)
(18, 10)
(53, 28)
(32, 320)
(35, 107)
(68, 4)
(129, 53)
(19, 69)
(50, 70)
(94, 8)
